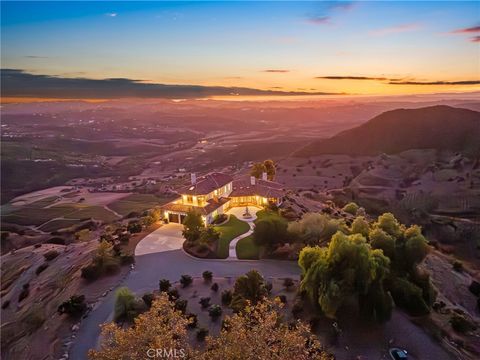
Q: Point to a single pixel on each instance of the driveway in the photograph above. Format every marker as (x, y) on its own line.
(165, 238)
(169, 264)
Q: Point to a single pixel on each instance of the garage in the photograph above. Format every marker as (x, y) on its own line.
(173, 218)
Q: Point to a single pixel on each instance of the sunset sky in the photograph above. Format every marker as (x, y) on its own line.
(332, 47)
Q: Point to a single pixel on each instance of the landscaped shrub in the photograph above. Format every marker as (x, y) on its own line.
(205, 302)
(214, 287)
(124, 238)
(127, 307)
(181, 305)
(24, 293)
(164, 285)
(288, 283)
(461, 324)
(215, 311)
(193, 320)
(74, 307)
(186, 280)
(127, 259)
(148, 299)
(202, 334)
(41, 268)
(50, 255)
(134, 227)
(173, 294)
(207, 275)
(269, 286)
(219, 219)
(226, 297)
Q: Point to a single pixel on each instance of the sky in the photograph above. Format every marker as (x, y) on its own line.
(381, 47)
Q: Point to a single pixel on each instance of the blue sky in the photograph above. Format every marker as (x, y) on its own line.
(237, 43)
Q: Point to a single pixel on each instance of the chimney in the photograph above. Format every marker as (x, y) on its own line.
(193, 178)
(252, 180)
(264, 176)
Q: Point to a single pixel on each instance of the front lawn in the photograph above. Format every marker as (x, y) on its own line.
(229, 231)
(247, 249)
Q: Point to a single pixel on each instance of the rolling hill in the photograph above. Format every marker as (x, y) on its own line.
(436, 127)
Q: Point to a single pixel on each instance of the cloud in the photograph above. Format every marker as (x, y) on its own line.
(318, 20)
(276, 71)
(392, 81)
(112, 14)
(36, 57)
(19, 83)
(475, 39)
(440, 82)
(402, 28)
(469, 30)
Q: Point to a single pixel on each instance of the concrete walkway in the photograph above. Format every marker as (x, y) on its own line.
(238, 212)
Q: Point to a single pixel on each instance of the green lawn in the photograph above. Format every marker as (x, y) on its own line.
(248, 250)
(137, 203)
(228, 231)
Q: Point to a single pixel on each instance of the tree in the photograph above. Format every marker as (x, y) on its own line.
(270, 231)
(360, 226)
(192, 226)
(348, 267)
(258, 169)
(315, 228)
(270, 169)
(259, 333)
(248, 288)
(105, 258)
(162, 327)
(124, 304)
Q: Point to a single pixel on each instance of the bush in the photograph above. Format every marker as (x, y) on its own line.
(91, 272)
(226, 297)
(50, 255)
(193, 320)
(125, 308)
(461, 324)
(269, 286)
(215, 311)
(205, 302)
(351, 208)
(148, 299)
(202, 334)
(24, 293)
(56, 240)
(164, 285)
(457, 266)
(181, 305)
(41, 268)
(127, 259)
(214, 287)
(288, 283)
(207, 275)
(283, 299)
(173, 294)
(124, 238)
(73, 307)
(186, 280)
(134, 227)
(219, 219)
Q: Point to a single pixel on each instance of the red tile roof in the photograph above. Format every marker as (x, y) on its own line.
(206, 184)
(269, 189)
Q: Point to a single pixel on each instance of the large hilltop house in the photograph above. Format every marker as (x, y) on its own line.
(216, 193)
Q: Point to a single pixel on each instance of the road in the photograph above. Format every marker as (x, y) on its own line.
(150, 268)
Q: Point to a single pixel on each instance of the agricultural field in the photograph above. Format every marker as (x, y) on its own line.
(137, 203)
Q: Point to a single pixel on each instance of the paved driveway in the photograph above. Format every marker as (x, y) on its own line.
(165, 238)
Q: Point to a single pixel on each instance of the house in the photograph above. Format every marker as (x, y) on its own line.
(215, 193)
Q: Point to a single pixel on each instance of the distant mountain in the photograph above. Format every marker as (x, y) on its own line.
(434, 127)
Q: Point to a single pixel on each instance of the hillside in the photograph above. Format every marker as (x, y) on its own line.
(436, 127)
